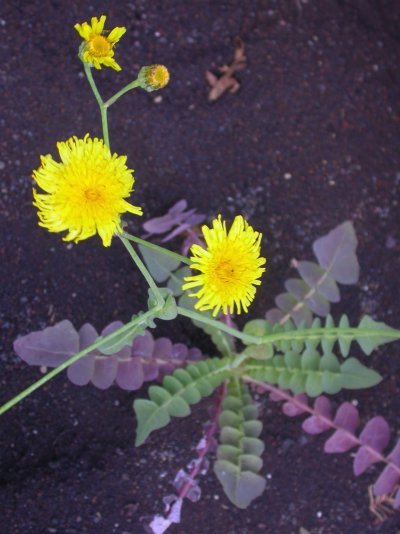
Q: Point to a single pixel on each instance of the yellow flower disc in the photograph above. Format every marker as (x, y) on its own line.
(84, 193)
(230, 267)
(99, 44)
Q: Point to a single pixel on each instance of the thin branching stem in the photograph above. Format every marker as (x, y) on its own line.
(202, 318)
(141, 266)
(124, 90)
(163, 250)
(102, 105)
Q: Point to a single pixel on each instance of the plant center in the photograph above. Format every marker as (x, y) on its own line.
(99, 46)
(92, 195)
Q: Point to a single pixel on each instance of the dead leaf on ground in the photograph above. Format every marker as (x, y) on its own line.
(227, 81)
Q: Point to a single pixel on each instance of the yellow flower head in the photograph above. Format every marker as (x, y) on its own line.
(229, 267)
(153, 77)
(98, 44)
(84, 193)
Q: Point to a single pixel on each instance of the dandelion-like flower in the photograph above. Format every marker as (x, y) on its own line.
(84, 193)
(98, 46)
(230, 267)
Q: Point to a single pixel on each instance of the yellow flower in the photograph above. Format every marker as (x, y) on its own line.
(153, 77)
(98, 46)
(85, 192)
(229, 267)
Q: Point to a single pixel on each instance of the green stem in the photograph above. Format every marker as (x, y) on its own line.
(143, 270)
(201, 318)
(102, 105)
(96, 345)
(163, 250)
(124, 90)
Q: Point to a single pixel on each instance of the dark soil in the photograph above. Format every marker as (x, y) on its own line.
(310, 140)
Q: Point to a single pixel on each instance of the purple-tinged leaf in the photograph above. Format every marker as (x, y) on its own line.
(315, 425)
(318, 423)
(291, 409)
(130, 374)
(396, 503)
(176, 216)
(297, 287)
(179, 352)
(274, 315)
(286, 302)
(49, 347)
(277, 396)
(105, 371)
(143, 346)
(318, 304)
(158, 225)
(336, 253)
(317, 278)
(87, 335)
(363, 459)
(340, 441)
(143, 360)
(322, 406)
(179, 207)
(81, 372)
(347, 417)
(387, 481)
(376, 433)
(343, 439)
(151, 370)
(178, 230)
(162, 349)
(194, 354)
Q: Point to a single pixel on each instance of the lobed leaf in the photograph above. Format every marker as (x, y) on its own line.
(144, 359)
(240, 450)
(335, 252)
(178, 391)
(369, 334)
(371, 442)
(312, 373)
(317, 288)
(49, 347)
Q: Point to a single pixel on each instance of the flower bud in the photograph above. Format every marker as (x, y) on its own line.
(153, 77)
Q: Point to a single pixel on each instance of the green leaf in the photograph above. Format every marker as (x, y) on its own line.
(373, 340)
(175, 280)
(369, 334)
(239, 454)
(241, 487)
(310, 375)
(160, 265)
(178, 391)
(358, 376)
(264, 351)
(257, 327)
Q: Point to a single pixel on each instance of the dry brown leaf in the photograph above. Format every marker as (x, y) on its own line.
(227, 81)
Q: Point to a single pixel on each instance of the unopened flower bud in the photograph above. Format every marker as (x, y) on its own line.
(153, 77)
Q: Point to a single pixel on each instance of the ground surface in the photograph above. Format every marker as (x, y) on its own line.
(310, 140)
